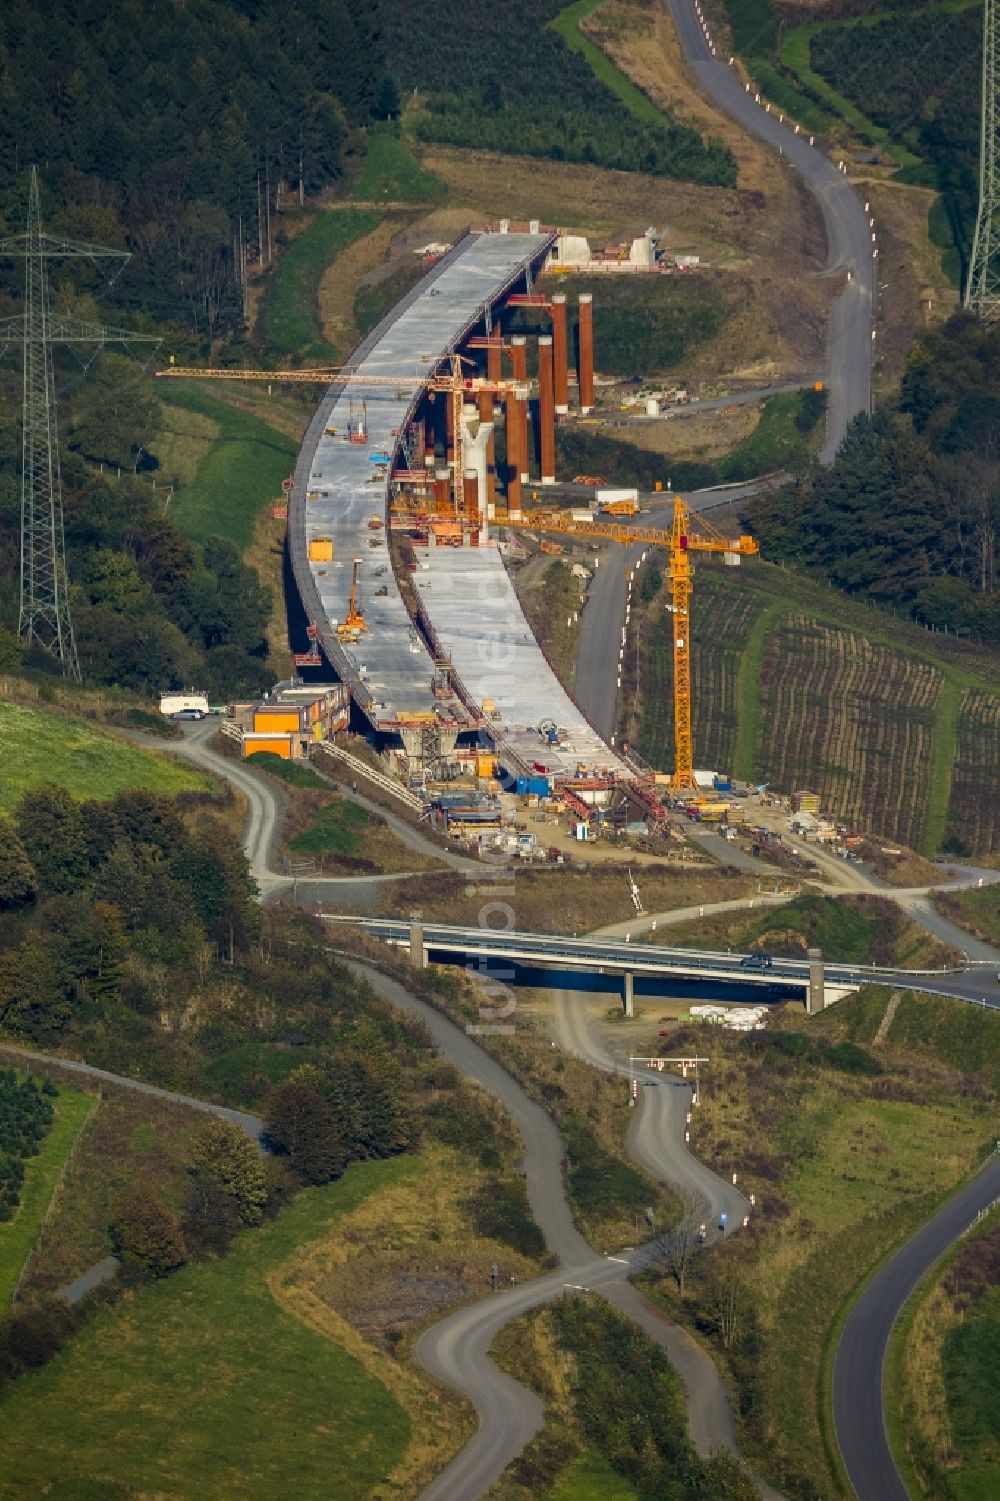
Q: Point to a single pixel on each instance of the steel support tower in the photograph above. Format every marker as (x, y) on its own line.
(44, 616)
(982, 290)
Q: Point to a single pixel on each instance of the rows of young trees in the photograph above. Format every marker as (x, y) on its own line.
(174, 130)
(25, 1117)
(500, 79)
(909, 513)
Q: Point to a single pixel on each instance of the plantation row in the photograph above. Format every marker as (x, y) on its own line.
(851, 721)
(914, 73)
(722, 618)
(25, 1117)
(499, 79)
(974, 814)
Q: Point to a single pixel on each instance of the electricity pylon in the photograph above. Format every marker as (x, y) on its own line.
(44, 616)
(982, 290)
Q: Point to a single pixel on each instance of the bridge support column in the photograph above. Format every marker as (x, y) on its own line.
(816, 998)
(418, 951)
(627, 993)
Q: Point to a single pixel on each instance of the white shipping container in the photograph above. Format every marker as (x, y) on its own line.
(603, 496)
(173, 703)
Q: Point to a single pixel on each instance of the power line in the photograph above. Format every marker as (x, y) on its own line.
(982, 290)
(44, 617)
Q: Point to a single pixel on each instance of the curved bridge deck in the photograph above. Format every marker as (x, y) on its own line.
(465, 595)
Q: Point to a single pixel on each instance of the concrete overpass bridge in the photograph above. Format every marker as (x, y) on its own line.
(502, 957)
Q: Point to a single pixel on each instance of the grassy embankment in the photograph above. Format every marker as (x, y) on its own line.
(124, 1406)
(339, 835)
(391, 173)
(852, 929)
(550, 601)
(849, 1139)
(239, 464)
(754, 29)
(568, 23)
(573, 900)
(38, 745)
(977, 910)
(289, 313)
(784, 694)
(18, 1235)
(943, 1372)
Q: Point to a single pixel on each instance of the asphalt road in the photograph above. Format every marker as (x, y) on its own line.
(600, 639)
(859, 1366)
(848, 235)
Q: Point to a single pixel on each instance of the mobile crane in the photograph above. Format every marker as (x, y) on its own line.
(353, 625)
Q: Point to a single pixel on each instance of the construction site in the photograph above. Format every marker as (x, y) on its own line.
(428, 448)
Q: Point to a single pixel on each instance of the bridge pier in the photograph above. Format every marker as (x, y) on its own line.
(627, 996)
(418, 950)
(816, 996)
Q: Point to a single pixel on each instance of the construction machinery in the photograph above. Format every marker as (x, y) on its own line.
(353, 625)
(685, 537)
(457, 383)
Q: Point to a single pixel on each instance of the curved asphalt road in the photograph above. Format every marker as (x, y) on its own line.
(848, 342)
(848, 235)
(859, 1367)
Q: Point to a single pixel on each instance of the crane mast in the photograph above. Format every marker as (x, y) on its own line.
(680, 542)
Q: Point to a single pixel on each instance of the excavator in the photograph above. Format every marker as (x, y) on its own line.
(353, 626)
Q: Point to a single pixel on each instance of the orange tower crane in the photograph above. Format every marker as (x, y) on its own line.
(684, 537)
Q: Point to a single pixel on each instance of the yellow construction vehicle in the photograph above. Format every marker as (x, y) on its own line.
(351, 628)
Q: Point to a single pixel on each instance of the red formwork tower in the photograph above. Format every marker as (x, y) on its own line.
(546, 410)
(557, 307)
(519, 361)
(585, 334)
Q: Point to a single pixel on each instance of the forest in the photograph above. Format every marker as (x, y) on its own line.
(174, 131)
(497, 78)
(909, 513)
(149, 609)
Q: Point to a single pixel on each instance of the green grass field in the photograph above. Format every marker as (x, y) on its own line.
(38, 746)
(337, 829)
(290, 313)
(971, 1365)
(202, 1385)
(238, 471)
(17, 1236)
(391, 173)
(591, 1478)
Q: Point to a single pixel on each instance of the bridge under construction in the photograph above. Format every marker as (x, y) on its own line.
(444, 650)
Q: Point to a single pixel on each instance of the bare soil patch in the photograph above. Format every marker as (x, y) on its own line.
(691, 435)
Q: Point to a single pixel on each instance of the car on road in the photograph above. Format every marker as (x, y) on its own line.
(189, 714)
(756, 961)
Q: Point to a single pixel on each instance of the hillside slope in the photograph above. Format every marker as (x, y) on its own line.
(795, 685)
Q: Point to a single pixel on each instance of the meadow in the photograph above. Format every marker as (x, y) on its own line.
(39, 746)
(238, 468)
(123, 1408)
